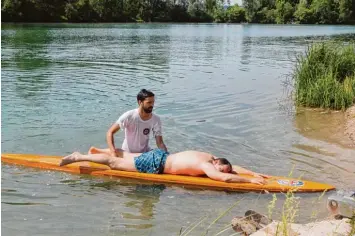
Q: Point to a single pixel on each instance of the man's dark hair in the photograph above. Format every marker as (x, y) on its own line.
(224, 161)
(143, 94)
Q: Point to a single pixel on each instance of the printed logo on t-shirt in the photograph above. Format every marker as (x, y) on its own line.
(146, 131)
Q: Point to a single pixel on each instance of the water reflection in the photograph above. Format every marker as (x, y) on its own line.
(142, 198)
(246, 42)
(144, 57)
(138, 200)
(32, 87)
(31, 47)
(30, 57)
(324, 150)
(158, 55)
(322, 125)
(246, 50)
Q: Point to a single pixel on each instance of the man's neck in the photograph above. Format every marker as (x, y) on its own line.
(143, 115)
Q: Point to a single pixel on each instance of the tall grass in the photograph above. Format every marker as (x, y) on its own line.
(325, 76)
(352, 225)
(288, 215)
(194, 225)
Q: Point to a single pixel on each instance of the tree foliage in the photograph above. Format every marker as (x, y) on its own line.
(252, 11)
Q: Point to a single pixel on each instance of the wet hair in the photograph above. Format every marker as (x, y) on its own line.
(143, 94)
(224, 161)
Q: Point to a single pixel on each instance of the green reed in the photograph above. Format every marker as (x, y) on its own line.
(325, 76)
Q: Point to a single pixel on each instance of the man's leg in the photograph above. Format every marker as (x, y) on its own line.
(107, 151)
(112, 162)
(76, 157)
(95, 150)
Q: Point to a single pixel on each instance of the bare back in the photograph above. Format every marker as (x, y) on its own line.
(187, 163)
(181, 163)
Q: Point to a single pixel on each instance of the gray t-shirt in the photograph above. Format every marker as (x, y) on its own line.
(137, 131)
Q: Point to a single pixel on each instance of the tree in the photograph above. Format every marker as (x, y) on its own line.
(303, 14)
(345, 11)
(266, 16)
(235, 14)
(284, 12)
(85, 11)
(197, 11)
(325, 11)
(251, 8)
(11, 10)
(108, 10)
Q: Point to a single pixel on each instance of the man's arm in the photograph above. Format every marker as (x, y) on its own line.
(157, 133)
(214, 174)
(160, 143)
(109, 138)
(241, 170)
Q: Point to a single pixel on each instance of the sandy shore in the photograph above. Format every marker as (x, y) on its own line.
(350, 123)
(321, 228)
(326, 227)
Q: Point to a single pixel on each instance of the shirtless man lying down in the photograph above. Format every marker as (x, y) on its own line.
(158, 161)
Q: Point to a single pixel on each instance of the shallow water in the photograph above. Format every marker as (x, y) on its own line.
(220, 88)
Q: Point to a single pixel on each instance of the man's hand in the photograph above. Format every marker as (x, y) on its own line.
(113, 153)
(259, 181)
(160, 143)
(109, 138)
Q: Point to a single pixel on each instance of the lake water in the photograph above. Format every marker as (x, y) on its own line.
(220, 88)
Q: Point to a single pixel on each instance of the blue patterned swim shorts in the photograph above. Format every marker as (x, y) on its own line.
(151, 162)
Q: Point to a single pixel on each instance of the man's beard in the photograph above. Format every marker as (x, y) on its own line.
(148, 110)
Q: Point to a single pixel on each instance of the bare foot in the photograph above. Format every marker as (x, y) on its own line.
(94, 150)
(69, 159)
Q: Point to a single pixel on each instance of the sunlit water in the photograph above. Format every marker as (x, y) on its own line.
(220, 89)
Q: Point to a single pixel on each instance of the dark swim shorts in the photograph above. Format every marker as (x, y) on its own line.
(151, 162)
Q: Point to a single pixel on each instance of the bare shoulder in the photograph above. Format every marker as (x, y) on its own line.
(206, 165)
(192, 156)
(197, 153)
(208, 168)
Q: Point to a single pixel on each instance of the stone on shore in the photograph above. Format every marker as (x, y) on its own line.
(321, 228)
(350, 123)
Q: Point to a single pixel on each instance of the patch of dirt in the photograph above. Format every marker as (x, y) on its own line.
(350, 123)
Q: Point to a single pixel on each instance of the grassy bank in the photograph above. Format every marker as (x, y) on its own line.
(325, 76)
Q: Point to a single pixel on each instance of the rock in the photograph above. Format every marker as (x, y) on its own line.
(261, 220)
(240, 224)
(321, 228)
(249, 224)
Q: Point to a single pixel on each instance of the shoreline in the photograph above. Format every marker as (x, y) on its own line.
(318, 228)
(170, 22)
(350, 123)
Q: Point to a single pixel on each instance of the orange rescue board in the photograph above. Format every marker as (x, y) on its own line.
(275, 183)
